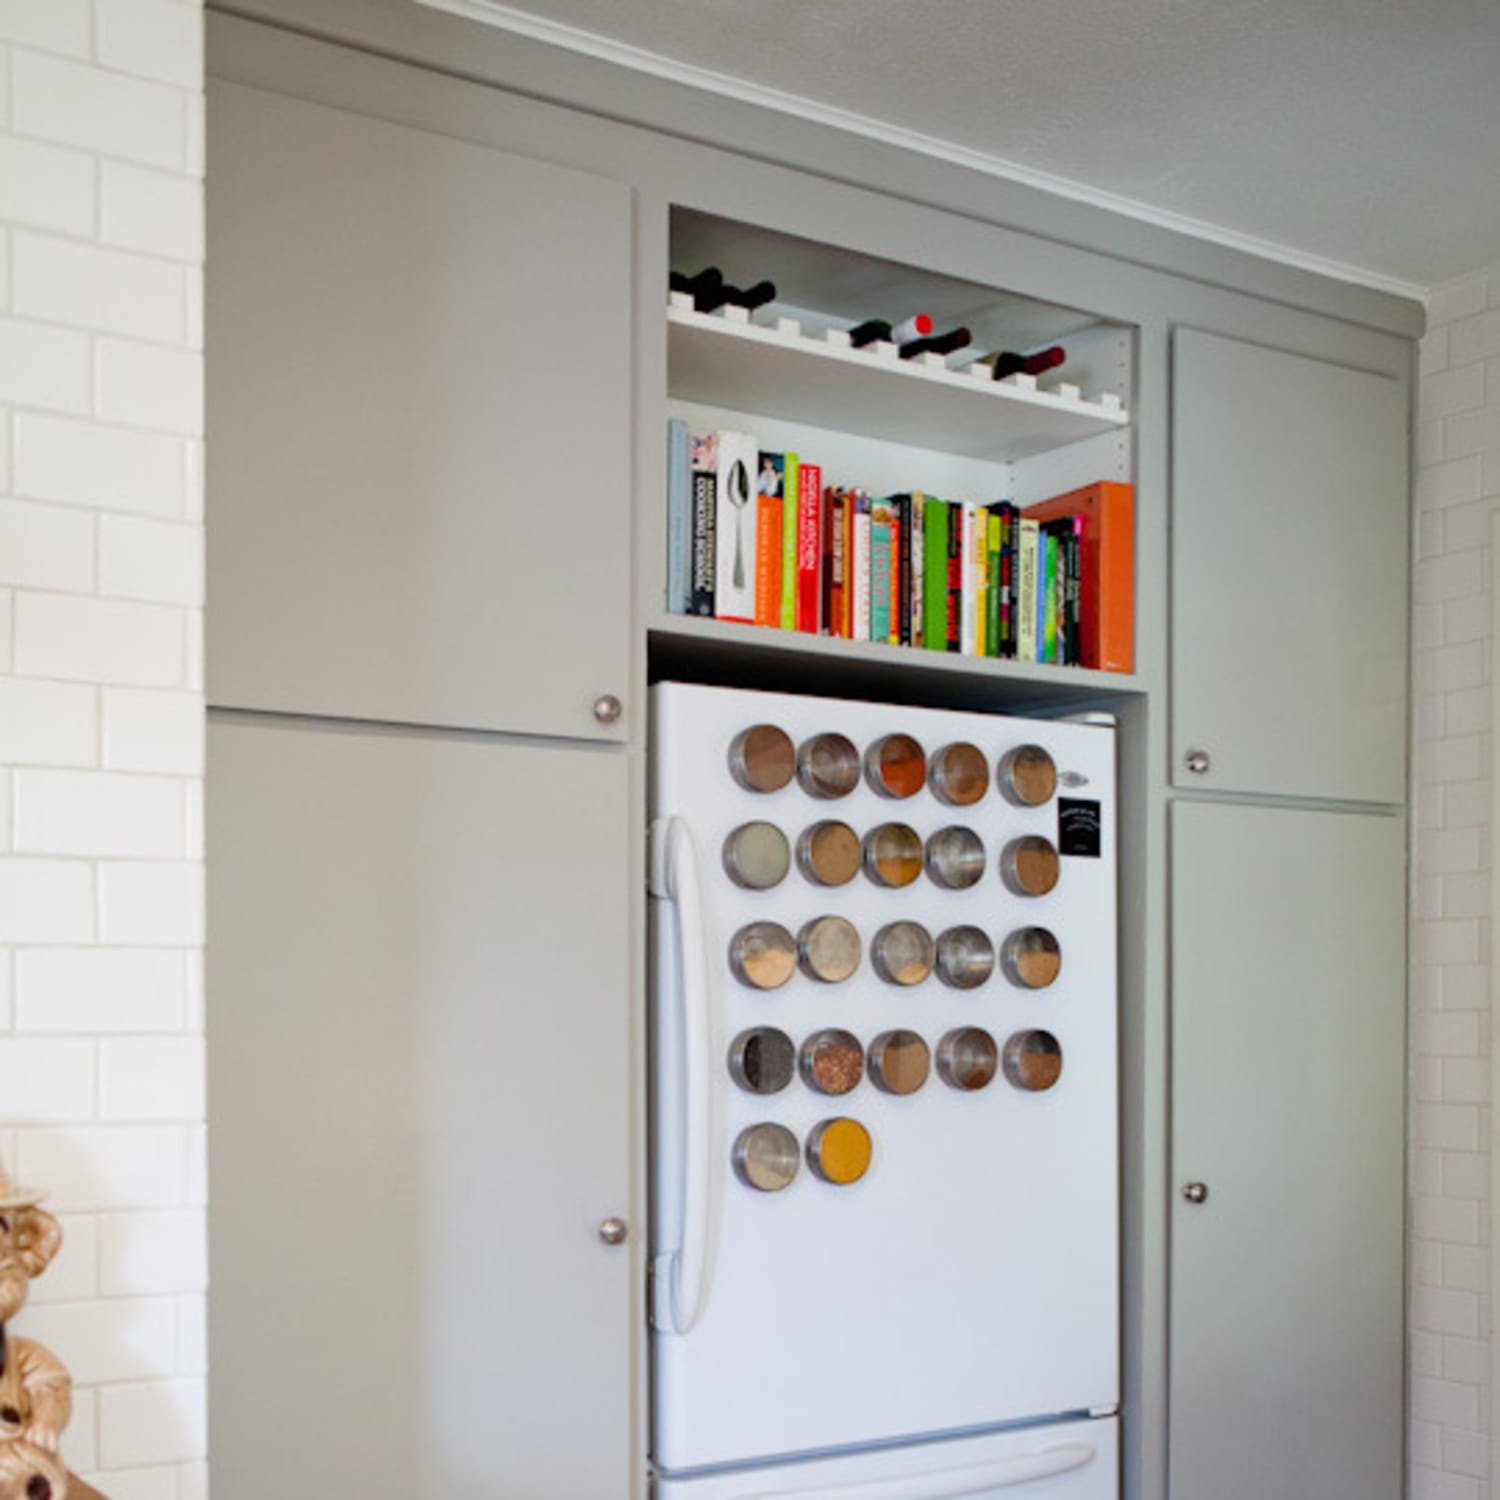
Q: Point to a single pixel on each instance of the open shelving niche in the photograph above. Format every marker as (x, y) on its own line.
(786, 374)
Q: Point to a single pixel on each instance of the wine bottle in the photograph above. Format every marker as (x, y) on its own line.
(1008, 363)
(938, 343)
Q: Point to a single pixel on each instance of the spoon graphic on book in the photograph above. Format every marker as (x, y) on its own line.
(739, 497)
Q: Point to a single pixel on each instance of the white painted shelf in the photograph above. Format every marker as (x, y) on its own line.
(723, 359)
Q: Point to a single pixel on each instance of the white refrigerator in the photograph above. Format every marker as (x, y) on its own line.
(884, 1255)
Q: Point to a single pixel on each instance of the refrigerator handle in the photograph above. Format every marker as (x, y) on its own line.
(950, 1484)
(675, 878)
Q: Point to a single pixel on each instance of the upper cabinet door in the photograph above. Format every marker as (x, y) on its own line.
(1289, 579)
(419, 408)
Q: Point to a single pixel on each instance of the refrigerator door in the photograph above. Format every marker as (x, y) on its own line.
(942, 1255)
(1070, 1461)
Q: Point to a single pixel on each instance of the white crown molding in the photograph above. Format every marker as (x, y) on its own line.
(605, 49)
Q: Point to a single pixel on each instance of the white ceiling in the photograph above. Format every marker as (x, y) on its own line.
(1361, 136)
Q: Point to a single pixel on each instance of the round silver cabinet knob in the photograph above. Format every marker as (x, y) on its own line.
(1195, 1192)
(1196, 761)
(613, 1231)
(608, 708)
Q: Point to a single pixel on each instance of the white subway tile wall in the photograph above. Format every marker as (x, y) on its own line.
(101, 711)
(1457, 488)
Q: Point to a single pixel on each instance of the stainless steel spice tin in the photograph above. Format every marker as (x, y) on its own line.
(1031, 958)
(762, 1060)
(828, 853)
(1033, 1060)
(899, 1062)
(765, 1157)
(965, 957)
(1030, 866)
(895, 766)
(902, 953)
(757, 856)
(827, 766)
(839, 1151)
(893, 854)
(832, 1061)
(1026, 776)
(959, 774)
(967, 1058)
(762, 758)
(763, 955)
(828, 948)
(955, 858)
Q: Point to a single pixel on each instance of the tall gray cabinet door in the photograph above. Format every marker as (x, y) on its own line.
(1289, 524)
(418, 424)
(1288, 977)
(420, 1114)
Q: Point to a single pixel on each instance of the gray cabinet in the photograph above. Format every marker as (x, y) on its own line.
(1289, 581)
(420, 1078)
(419, 406)
(1288, 986)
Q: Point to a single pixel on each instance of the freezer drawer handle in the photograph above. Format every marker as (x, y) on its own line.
(951, 1484)
(675, 878)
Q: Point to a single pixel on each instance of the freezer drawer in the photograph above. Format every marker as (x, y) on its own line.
(1070, 1461)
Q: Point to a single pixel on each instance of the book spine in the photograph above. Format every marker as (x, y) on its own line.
(918, 568)
(768, 560)
(809, 542)
(935, 575)
(734, 576)
(1047, 611)
(790, 490)
(981, 576)
(966, 578)
(705, 458)
(825, 564)
(1026, 593)
(992, 569)
(833, 532)
(880, 571)
(1075, 590)
(862, 551)
(901, 571)
(847, 627)
(953, 619)
(679, 523)
(1009, 521)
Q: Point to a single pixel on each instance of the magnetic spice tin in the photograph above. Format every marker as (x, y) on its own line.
(1031, 958)
(832, 1061)
(757, 856)
(965, 957)
(828, 949)
(839, 1151)
(895, 766)
(827, 766)
(959, 774)
(765, 1157)
(762, 758)
(763, 955)
(1026, 776)
(828, 853)
(955, 858)
(893, 854)
(967, 1058)
(1029, 866)
(762, 1060)
(1033, 1060)
(899, 1062)
(902, 953)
